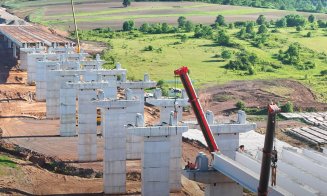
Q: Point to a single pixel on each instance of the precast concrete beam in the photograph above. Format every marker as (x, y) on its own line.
(300, 161)
(157, 131)
(210, 176)
(242, 175)
(317, 156)
(137, 85)
(284, 181)
(232, 128)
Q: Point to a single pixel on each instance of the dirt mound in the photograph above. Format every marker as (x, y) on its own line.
(258, 93)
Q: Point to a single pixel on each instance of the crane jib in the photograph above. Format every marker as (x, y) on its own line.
(205, 128)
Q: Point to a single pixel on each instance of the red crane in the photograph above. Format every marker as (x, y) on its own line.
(193, 99)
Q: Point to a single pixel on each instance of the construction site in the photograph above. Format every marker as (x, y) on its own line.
(76, 128)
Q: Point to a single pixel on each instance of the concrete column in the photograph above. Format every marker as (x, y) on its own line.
(14, 50)
(9, 43)
(31, 66)
(68, 108)
(87, 114)
(133, 142)
(156, 157)
(167, 115)
(43, 68)
(114, 173)
(155, 166)
(52, 94)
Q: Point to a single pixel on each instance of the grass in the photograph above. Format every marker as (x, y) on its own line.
(110, 13)
(200, 56)
(6, 162)
(281, 91)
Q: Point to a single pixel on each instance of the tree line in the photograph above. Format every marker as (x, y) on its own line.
(300, 5)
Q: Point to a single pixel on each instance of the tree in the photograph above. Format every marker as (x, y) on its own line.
(321, 24)
(145, 28)
(262, 29)
(128, 25)
(250, 28)
(294, 20)
(181, 21)
(288, 107)
(292, 54)
(319, 7)
(226, 54)
(311, 18)
(240, 105)
(222, 38)
(189, 26)
(165, 27)
(261, 20)
(220, 20)
(126, 3)
(202, 31)
(281, 23)
(242, 33)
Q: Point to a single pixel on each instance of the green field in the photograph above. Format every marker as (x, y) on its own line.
(202, 56)
(100, 13)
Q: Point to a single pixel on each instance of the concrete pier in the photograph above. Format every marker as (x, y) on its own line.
(167, 108)
(156, 157)
(57, 78)
(114, 174)
(43, 67)
(134, 142)
(87, 118)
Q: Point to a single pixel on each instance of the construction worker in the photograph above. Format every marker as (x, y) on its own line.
(241, 148)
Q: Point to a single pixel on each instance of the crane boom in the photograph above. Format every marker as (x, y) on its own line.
(183, 74)
(267, 150)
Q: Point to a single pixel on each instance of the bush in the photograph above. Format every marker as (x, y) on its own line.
(261, 20)
(294, 20)
(128, 25)
(288, 107)
(309, 34)
(202, 31)
(262, 29)
(244, 61)
(298, 28)
(323, 72)
(148, 48)
(181, 21)
(222, 38)
(184, 38)
(281, 23)
(226, 54)
(240, 105)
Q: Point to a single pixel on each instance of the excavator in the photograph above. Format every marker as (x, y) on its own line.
(207, 133)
